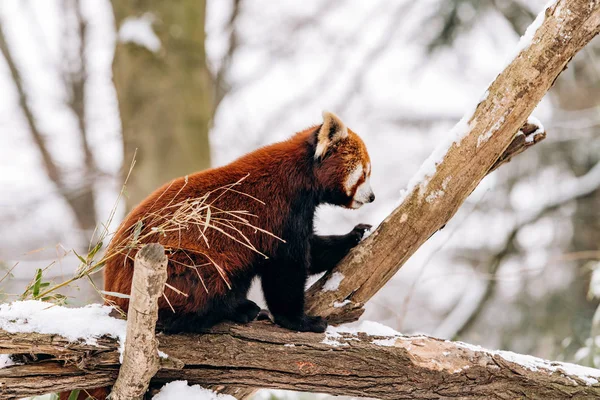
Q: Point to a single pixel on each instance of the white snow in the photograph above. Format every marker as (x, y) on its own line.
(340, 304)
(180, 390)
(162, 354)
(333, 283)
(389, 342)
(139, 30)
(6, 361)
(367, 233)
(331, 340)
(434, 195)
(85, 323)
(429, 167)
(371, 328)
(590, 376)
(333, 333)
(533, 120)
(484, 137)
(527, 37)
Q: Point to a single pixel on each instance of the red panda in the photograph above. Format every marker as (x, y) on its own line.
(262, 208)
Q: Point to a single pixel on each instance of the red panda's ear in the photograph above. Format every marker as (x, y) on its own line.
(332, 130)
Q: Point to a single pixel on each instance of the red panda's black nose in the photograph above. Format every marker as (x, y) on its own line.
(372, 198)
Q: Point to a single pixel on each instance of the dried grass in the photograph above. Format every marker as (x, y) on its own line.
(187, 216)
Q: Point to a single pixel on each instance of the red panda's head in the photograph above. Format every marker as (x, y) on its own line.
(343, 166)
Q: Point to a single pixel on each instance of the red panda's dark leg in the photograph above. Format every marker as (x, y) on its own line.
(232, 306)
(170, 322)
(244, 312)
(327, 251)
(283, 286)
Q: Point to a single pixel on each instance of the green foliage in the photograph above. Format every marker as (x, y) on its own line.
(35, 289)
(74, 394)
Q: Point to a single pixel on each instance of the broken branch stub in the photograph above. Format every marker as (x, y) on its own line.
(140, 357)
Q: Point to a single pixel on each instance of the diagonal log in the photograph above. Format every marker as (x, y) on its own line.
(462, 160)
(263, 355)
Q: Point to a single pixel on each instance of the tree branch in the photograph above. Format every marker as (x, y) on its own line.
(263, 355)
(459, 164)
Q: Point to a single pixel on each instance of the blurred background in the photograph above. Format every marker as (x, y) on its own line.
(192, 84)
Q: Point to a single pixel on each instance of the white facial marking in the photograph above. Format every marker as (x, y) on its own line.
(368, 169)
(353, 178)
(363, 193)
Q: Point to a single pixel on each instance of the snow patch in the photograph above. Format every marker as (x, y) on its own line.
(421, 179)
(333, 333)
(366, 234)
(484, 137)
(139, 30)
(371, 328)
(289, 345)
(389, 342)
(162, 354)
(6, 361)
(590, 376)
(85, 323)
(180, 390)
(74, 324)
(527, 37)
(330, 339)
(333, 283)
(540, 128)
(340, 304)
(436, 194)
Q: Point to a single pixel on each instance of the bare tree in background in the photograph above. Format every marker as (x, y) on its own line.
(166, 97)
(72, 71)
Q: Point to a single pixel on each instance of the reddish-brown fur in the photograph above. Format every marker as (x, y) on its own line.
(280, 185)
(266, 174)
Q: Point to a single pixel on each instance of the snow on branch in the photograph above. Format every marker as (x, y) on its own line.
(370, 360)
(472, 149)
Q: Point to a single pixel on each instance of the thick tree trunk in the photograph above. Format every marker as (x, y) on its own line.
(453, 171)
(263, 355)
(165, 96)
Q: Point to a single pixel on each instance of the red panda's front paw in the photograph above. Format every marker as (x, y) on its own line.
(304, 323)
(359, 231)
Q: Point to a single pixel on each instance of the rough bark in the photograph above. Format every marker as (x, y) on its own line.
(263, 355)
(510, 99)
(165, 97)
(140, 357)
